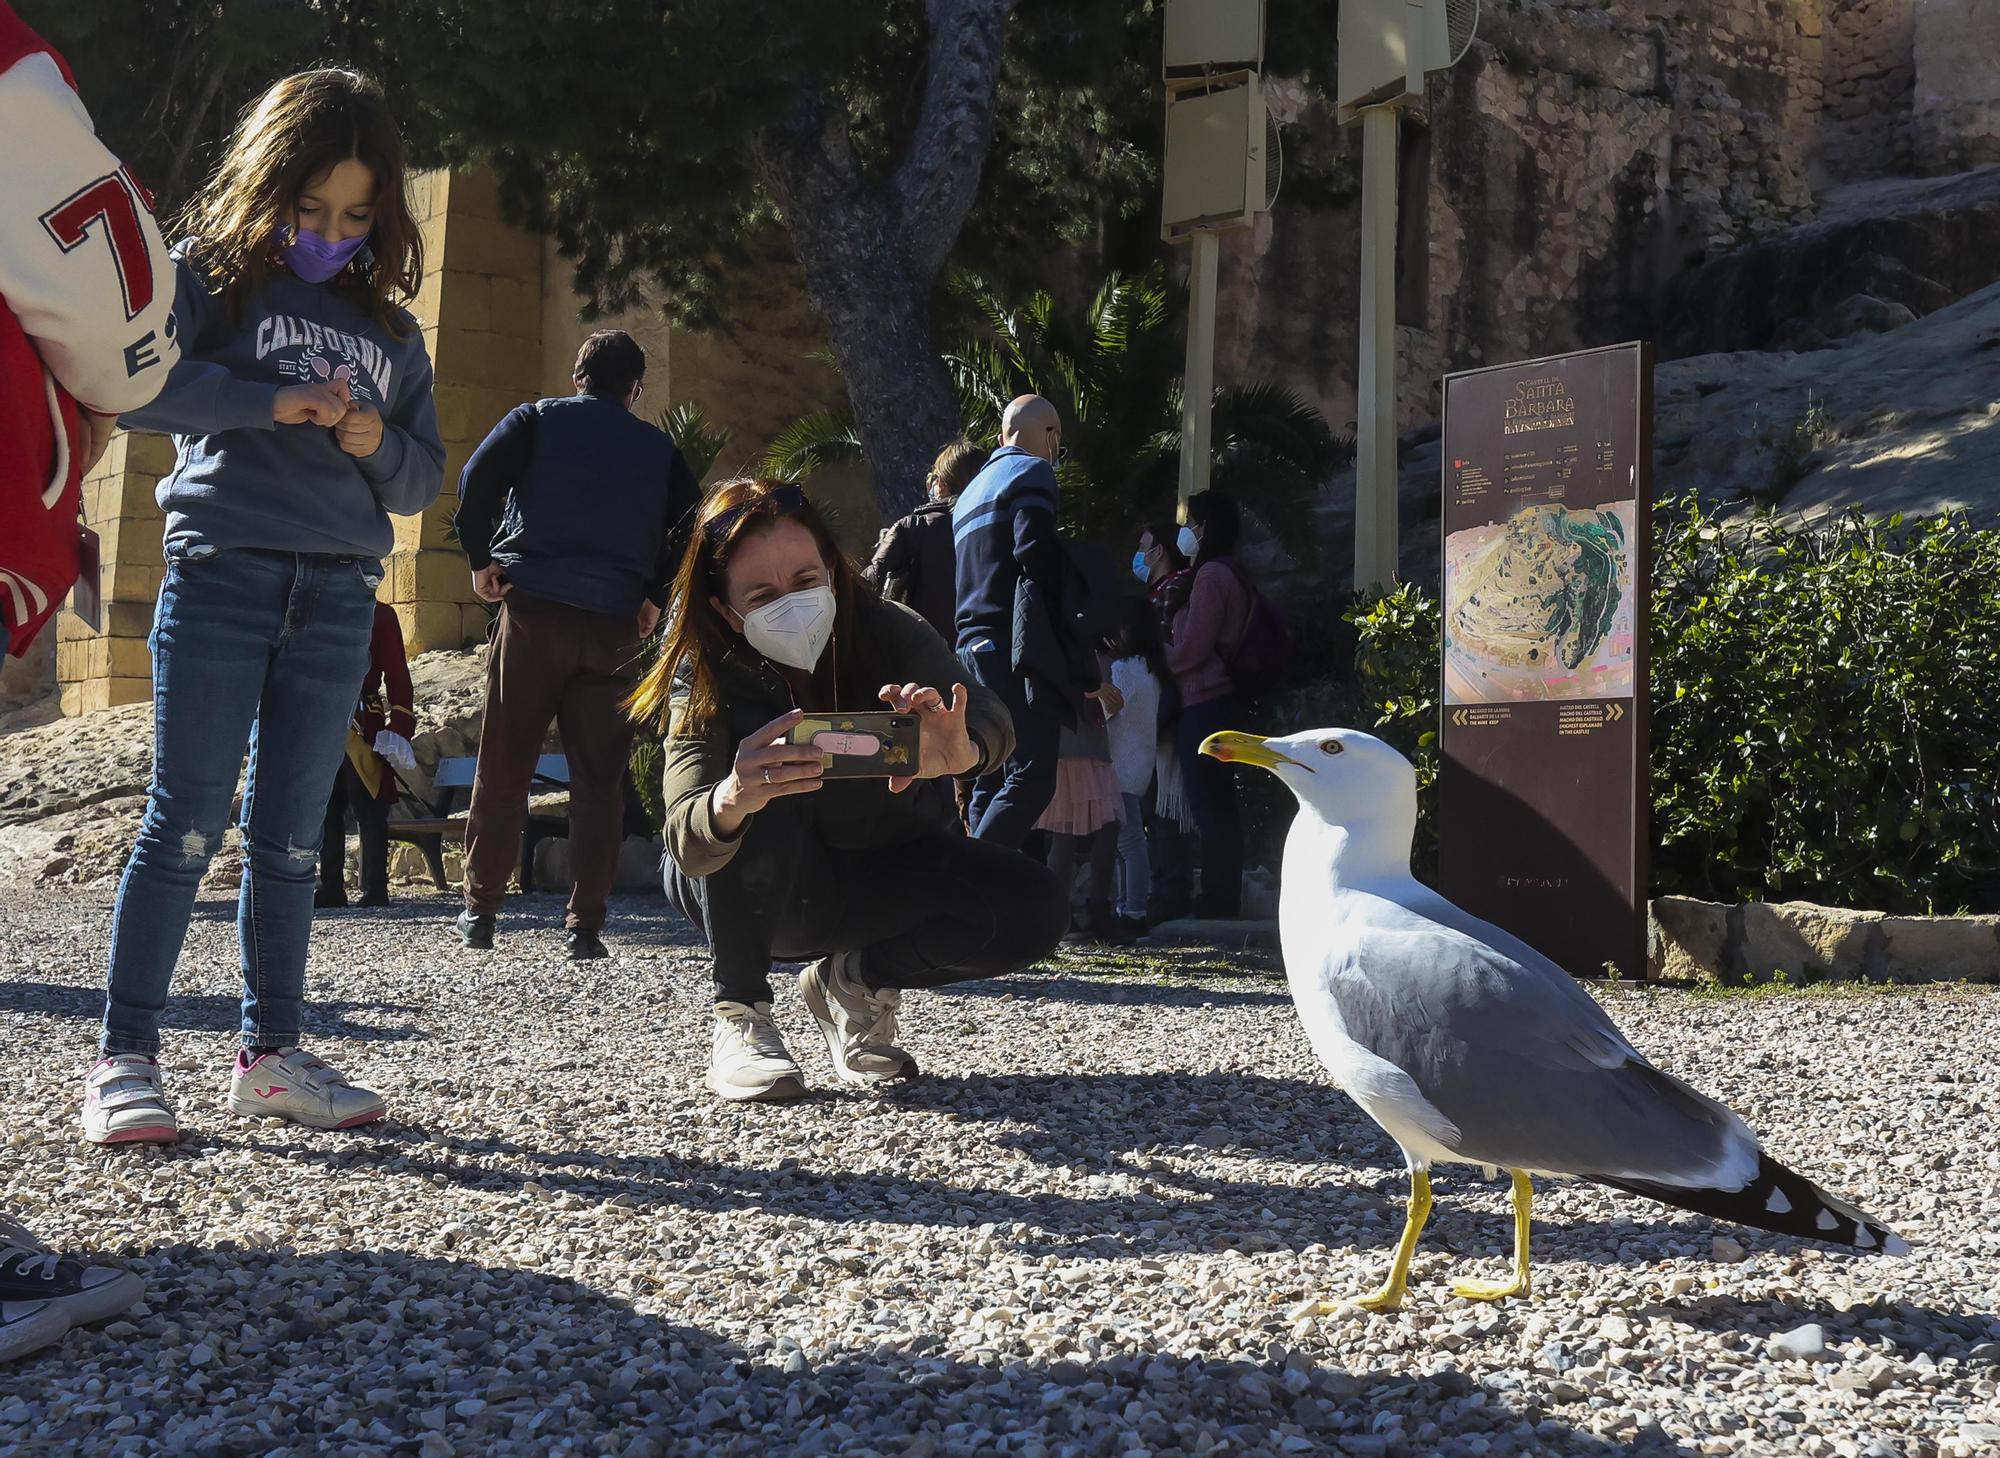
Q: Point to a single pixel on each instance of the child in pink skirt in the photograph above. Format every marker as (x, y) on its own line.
(1082, 822)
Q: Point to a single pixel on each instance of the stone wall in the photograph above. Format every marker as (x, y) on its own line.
(1870, 80)
(481, 308)
(101, 670)
(1957, 101)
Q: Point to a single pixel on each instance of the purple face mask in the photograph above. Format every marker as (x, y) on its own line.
(314, 259)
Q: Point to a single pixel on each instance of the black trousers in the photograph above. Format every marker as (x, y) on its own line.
(1211, 792)
(371, 819)
(937, 909)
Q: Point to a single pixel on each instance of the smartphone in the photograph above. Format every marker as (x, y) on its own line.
(861, 746)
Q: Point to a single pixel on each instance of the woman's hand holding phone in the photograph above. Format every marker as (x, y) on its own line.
(766, 769)
(945, 747)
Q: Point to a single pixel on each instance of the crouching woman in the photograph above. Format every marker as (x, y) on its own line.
(868, 880)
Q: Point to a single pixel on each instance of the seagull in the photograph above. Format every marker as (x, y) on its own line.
(1469, 1047)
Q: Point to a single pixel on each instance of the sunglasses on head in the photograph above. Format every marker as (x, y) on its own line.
(779, 501)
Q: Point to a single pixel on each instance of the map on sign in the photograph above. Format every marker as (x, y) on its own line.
(1541, 606)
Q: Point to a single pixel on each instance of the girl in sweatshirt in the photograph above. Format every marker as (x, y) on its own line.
(301, 410)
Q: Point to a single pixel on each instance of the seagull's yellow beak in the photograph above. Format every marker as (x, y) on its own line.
(1234, 747)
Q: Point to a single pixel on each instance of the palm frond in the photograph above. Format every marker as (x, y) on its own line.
(698, 438)
(812, 443)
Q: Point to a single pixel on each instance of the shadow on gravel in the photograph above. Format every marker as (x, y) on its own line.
(361, 1352)
(212, 1013)
(1076, 1128)
(1911, 1327)
(1128, 991)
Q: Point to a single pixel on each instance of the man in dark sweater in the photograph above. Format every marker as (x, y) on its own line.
(573, 515)
(1004, 528)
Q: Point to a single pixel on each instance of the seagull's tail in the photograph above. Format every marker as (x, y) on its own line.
(1778, 1199)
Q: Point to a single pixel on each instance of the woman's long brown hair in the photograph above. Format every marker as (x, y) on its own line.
(298, 130)
(698, 636)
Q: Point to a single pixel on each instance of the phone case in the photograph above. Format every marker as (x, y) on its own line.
(862, 746)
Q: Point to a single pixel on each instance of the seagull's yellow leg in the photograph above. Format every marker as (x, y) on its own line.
(1391, 1295)
(1524, 1195)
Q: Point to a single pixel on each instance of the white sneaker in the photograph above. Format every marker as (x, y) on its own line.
(747, 1059)
(292, 1084)
(123, 1102)
(27, 1326)
(859, 1024)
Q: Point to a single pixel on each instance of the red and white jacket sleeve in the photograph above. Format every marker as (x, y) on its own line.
(82, 264)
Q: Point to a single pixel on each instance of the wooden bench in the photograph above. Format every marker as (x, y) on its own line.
(436, 820)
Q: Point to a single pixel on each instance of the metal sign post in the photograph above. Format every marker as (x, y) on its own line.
(1375, 524)
(1198, 380)
(1543, 794)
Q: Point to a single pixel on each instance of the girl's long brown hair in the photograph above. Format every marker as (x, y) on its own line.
(698, 637)
(299, 129)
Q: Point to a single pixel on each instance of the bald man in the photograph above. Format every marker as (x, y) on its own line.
(1004, 529)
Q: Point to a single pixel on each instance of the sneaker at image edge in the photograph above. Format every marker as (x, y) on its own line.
(33, 1275)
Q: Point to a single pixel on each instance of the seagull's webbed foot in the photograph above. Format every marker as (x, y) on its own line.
(1390, 1296)
(1517, 1285)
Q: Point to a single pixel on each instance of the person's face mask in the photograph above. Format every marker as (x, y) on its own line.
(793, 630)
(1139, 569)
(1188, 542)
(315, 260)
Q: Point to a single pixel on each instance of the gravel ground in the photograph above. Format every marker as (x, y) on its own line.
(1093, 1229)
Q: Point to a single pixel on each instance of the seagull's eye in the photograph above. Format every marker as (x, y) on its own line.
(1330, 746)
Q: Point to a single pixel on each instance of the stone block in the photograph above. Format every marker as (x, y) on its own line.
(497, 362)
(1940, 948)
(638, 865)
(147, 453)
(475, 621)
(516, 308)
(1805, 942)
(489, 246)
(130, 582)
(1688, 939)
(468, 301)
(128, 691)
(428, 625)
(71, 664)
(129, 658)
(437, 575)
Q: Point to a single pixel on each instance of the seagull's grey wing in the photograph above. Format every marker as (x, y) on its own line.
(1525, 1063)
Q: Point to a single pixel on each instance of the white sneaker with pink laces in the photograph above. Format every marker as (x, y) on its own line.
(292, 1084)
(124, 1104)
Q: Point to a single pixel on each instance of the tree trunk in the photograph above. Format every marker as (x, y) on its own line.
(872, 248)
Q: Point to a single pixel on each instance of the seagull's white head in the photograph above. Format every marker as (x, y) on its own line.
(1343, 778)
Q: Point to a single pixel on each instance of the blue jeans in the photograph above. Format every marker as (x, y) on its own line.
(265, 646)
(1006, 803)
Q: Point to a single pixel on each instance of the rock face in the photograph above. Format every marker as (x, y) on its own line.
(1913, 245)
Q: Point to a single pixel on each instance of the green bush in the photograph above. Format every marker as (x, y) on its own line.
(1824, 708)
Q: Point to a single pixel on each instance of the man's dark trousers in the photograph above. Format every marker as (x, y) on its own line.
(1006, 803)
(549, 660)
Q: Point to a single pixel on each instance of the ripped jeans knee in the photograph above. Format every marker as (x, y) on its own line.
(296, 858)
(178, 847)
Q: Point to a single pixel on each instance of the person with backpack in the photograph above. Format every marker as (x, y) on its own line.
(1205, 632)
(915, 562)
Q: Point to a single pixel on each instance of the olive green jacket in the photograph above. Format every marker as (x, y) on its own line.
(847, 814)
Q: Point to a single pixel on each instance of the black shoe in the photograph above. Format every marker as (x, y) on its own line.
(327, 899)
(475, 931)
(1129, 928)
(373, 898)
(43, 1294)
(585, 946)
